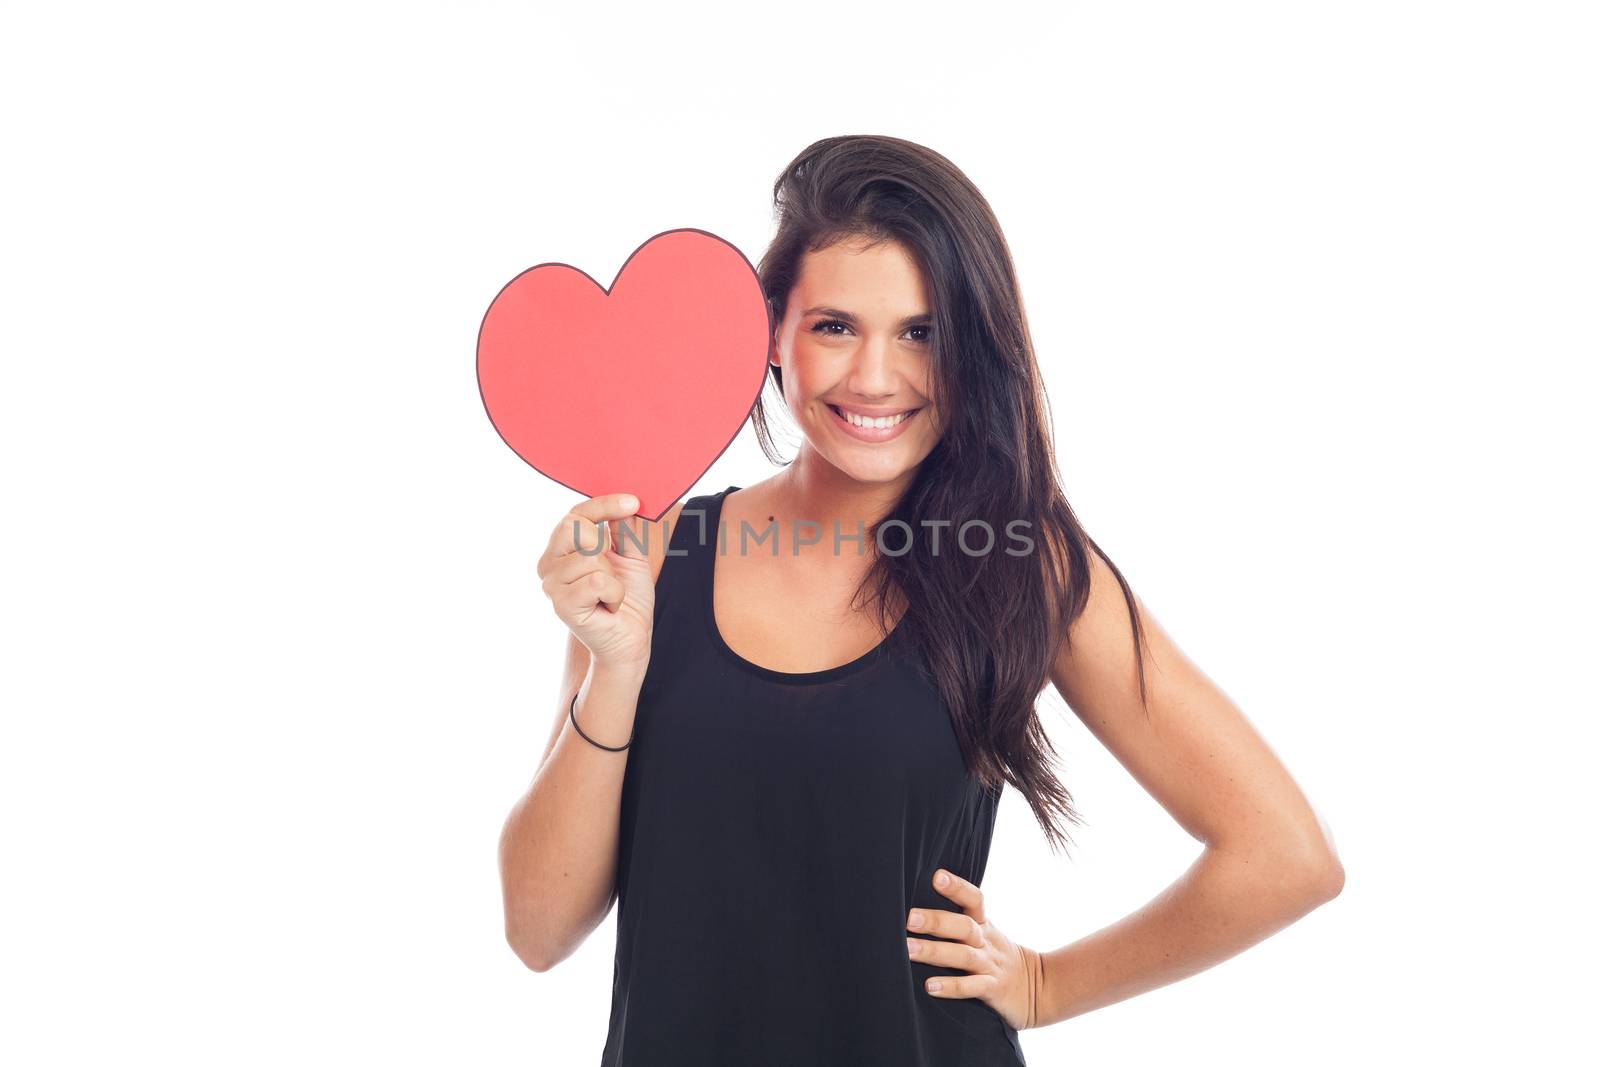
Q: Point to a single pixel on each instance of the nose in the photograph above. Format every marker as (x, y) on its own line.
(872, 374)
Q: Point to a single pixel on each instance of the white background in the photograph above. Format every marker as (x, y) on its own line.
(1314, 290)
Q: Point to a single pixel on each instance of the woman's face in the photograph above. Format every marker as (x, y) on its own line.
(855, 344)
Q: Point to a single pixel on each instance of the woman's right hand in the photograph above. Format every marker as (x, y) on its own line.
(606, 598)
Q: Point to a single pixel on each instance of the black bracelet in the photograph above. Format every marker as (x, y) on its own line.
(572, 713)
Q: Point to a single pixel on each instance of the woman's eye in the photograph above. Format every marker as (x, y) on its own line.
(826, 328)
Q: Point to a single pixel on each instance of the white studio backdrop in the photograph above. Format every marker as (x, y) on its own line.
(1314, 291)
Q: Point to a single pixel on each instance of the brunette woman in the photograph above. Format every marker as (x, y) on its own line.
(790, 710)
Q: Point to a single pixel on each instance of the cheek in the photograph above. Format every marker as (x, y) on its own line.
(798, 390)
(802, 375)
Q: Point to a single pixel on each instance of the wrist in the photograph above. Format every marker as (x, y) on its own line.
(618, 676)
(1033, 963)
(1060, 996)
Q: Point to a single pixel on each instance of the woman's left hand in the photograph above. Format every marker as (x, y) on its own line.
(1004, 975)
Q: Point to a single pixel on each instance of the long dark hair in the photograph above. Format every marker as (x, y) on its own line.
(986, 626)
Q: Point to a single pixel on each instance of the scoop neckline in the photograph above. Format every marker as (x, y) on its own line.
(709, 601)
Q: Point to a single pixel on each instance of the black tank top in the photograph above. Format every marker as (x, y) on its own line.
(776, 830)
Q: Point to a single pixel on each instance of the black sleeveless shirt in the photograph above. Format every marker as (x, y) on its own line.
(776, 830)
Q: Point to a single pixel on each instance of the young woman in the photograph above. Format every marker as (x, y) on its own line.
(790, 709)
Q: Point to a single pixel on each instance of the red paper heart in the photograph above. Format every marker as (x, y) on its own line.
(633, 389)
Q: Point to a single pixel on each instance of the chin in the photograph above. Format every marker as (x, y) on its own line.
(879, 470)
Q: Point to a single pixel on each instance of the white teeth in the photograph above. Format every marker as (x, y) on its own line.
(874, 424)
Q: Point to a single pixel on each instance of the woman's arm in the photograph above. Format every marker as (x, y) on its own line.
(559, 846)
(558, 850)
(1268, 858)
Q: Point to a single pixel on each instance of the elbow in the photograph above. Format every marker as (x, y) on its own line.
(1296, 877)
(531, 950)
(1309, 864)
(1287, 876)
(538, 940)
(1327, 878)
(524, 909)
(526, 932)
(1322, 879)
(1317, 877)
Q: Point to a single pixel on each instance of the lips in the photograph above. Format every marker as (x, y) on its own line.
(872, 434)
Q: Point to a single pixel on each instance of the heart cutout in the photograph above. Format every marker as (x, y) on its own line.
(638, 388)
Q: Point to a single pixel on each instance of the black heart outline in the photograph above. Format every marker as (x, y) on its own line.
(766, 308)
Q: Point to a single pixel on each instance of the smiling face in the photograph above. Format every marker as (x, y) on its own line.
(855, 345)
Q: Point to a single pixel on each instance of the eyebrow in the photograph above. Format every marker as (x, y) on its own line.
(834, 313)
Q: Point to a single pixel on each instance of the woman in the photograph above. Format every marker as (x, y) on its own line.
(786, 752)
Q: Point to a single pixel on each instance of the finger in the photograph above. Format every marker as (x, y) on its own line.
(585, 596)
(584, 591)
(631, 537)
(607, 589)
(963, 892)
(952, 924)
(947, 954)
(574, 534)
(610, 506)
(569, 568)
(961, 985)
(580, 527)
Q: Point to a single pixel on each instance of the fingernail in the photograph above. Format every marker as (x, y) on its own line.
(916, 919)
(941, 878)
(933, 986)
(912, 946)
(630, 502)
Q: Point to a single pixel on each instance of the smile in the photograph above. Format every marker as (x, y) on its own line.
(875, 429)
